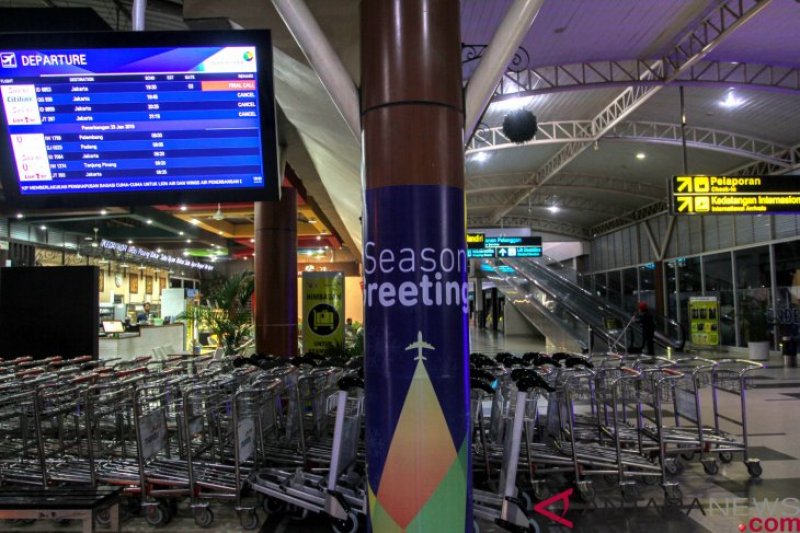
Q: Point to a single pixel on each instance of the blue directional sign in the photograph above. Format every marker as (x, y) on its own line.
(512, 241)
(519, 251)
(481, 253)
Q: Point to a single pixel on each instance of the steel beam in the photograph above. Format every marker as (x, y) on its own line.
(713, 30)
(323, 59)
(516, 24)
(536, 224)
(577, 131)
(615, 73)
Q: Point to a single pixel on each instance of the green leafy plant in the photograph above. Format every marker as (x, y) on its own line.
(225, 310)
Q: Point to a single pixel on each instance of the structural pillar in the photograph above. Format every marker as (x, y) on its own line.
(276, 275)
(416, 294)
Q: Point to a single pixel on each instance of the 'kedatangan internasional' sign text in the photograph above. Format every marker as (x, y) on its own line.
(730, 195)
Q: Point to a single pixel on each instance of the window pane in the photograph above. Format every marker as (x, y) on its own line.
(753, 289)
(719, 283)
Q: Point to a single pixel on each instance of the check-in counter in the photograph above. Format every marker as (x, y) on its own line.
(131, 345)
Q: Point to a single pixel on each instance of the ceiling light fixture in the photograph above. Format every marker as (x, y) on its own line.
(319, 238)
(180, 233)
(641, 155)
(158, 250)
(184, 208)
(104, 212)
(20, 215)
(149, 221)
(188, 241)
(554, 209)
(130, 241)
(510, 104)
(731, 101)
(43, 228)
(194, 221)
(480, 157)
(312, 220)
(252, 240)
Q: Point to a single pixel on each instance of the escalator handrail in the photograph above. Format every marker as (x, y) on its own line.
(568, 306)
(581, 341)
(662, 339)
(615, 311)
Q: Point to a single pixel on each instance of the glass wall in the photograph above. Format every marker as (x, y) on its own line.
(719, 283)
(647, 285)
(691, 284)
(787, 283)
(615, 288)
(630, 294)
(753, 287)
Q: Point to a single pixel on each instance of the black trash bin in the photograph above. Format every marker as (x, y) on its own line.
(789, 351)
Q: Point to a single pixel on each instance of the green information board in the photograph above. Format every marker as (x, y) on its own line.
(704, 320)
(323, 311)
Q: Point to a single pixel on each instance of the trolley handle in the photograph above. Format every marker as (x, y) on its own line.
(630, 371)
(533, 381)
(747, 364)
(479, 384)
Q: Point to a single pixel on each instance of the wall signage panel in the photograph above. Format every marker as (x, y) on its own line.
(730, 195)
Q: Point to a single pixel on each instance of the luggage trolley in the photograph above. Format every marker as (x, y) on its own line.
(340, 494)
(507, 507)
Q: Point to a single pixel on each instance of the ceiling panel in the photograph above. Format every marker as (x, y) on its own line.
(769, 38)
(767, 115)
(571, 31)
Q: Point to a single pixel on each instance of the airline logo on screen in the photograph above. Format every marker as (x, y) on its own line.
(8, 60)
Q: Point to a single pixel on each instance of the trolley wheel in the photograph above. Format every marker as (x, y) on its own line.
(673, 496)
(103, 517)
(248, 519)
(688, 456)
(273, 505)
(475, 527)
(346, 526)
(726, 457)
(754, 469)
(157, 515)
(539, 491)
(586, 492)
(203, 516)
(630, 493)
(526, 499)
(673, 466)
(711, 468)
(295, 513)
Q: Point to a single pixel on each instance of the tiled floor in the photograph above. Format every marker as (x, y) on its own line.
(718, 503)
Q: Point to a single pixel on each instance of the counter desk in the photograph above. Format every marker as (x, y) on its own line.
(131, 345)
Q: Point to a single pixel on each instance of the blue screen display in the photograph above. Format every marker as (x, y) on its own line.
(136, 119)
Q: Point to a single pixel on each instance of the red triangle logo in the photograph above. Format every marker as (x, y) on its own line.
(541, 508)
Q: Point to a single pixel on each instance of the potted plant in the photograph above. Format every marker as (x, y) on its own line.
(225, 310)
(756, 330)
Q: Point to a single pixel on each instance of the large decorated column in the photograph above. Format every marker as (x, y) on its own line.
(415, 292)
(275, 265)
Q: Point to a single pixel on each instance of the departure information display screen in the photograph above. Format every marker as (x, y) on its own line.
(128, 124)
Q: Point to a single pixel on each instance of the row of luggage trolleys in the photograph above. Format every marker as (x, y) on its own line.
(201, 433)
(290, 439)
(561, 422)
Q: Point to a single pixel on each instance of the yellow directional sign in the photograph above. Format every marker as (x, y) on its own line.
(684, 184)
(685, 204)
(728, 195)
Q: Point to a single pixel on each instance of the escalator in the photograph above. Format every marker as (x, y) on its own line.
(593, 323)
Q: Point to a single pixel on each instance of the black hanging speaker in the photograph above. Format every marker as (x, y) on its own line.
(520, 126)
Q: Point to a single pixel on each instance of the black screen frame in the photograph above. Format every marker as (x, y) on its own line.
(261, 39)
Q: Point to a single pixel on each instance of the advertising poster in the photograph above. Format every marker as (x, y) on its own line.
(704, 320)
(416, 304)
(323, 311)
